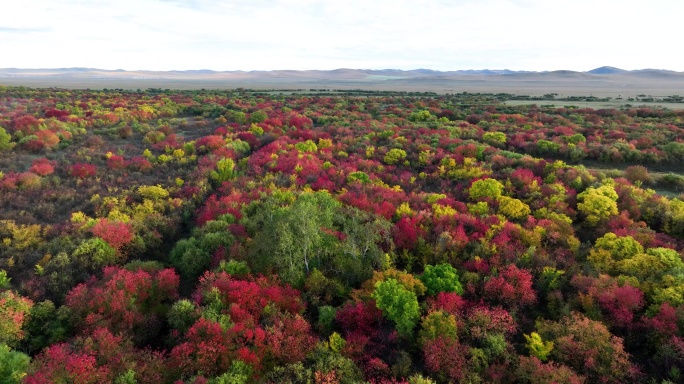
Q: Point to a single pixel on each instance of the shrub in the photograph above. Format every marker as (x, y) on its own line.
(82, 170)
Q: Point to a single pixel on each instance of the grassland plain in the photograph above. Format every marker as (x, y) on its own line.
(564, 83)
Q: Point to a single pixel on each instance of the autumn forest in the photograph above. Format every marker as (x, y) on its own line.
(193, 237)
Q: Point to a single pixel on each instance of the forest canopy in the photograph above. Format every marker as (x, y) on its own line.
(164, 236)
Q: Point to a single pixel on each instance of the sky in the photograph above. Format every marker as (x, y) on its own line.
(365, 34)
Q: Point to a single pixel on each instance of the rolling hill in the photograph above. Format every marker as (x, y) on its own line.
(603, 81)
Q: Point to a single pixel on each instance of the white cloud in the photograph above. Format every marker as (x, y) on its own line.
(317, 34)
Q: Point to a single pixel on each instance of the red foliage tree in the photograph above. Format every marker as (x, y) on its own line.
(207, 349)
(116, 162)
(533, 371)
(512, 287)
(124, 301)
(43, 167)
(618, 304)
(211, 347)
(482, 321)
(209, 143)
(289, 339)
(300, 122)
(58, 113)
(445, 357)
(139, 163)
(115, 233)
(48, 138)
(449, 302)
(371, 340)
(664, 323)
(60, 363)
(82, 170)
(98, 358)
(252, 295)
(26, 124)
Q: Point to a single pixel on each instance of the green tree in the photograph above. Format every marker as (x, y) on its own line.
(421, 116)
(513, 208)
(13, 365)
(238, 373)
(670, 290)
(258, 117)
(670, 258)
(576, 138)
(127, 377)
(46, 325)
(225, 170)
(674, 224)
(486, 188)
(241, 147)
(547, 147)
(441, 278)
(611, 249)
(620, 247)
(417, 378)
(397, 304)
(494, 138)
(153, 192)
(537, 347)
(182, 315)
(5, 140)
(289, 238)
(394, 156)
(239, 269)
(598, 204)
(359, 176)
(336, 342)
(321, 290)
(190, 259)
(4, 280)
(407, 280)
(359, 253)
(94, 253)
(675, 150)
(192, 256)
(237, 116)
(326, 361)
(326, 318)
(437, 324)
(306, 146)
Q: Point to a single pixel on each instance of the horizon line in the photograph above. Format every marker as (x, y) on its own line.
(611, 68)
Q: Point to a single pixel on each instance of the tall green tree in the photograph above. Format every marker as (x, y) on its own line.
(291, 238)
(397, 304)
(360, 253)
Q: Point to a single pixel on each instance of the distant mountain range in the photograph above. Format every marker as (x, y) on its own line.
(370, 74)
(607, 81)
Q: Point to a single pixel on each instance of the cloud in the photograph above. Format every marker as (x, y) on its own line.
(24, 30)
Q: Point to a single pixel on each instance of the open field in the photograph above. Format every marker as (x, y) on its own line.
(563, 83)
(598, 104)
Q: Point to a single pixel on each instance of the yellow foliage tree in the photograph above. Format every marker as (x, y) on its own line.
(513, 208)
(598, 204)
